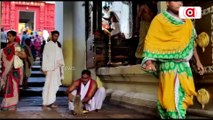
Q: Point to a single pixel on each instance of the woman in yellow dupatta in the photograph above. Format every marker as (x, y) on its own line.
(170, 42)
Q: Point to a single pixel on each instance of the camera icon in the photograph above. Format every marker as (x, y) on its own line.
(190, 12)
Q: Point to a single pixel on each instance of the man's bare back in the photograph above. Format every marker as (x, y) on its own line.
(146, 13)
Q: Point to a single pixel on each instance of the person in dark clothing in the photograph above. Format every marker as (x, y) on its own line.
(42, 46)
(28, 62)
(24, 36)
(33, 51)
(42, 49)
(146, 11)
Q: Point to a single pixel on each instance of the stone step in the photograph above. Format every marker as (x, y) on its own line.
(36, 81)
(36, 101)
(37, 63)
(195, 117)
(36, 68)
(141, 101)
(198, 112)
(37, 74)
(37, 91)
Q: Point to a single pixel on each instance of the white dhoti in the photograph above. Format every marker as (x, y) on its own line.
(51, 86)
(95, 103)
(53, 64)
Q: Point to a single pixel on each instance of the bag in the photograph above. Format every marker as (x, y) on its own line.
(17, 62)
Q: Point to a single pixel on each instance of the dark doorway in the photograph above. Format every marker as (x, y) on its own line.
(26, 19)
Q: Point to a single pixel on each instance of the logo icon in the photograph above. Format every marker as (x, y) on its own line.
(190, 12)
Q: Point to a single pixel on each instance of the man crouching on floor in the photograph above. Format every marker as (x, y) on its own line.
(91, 96)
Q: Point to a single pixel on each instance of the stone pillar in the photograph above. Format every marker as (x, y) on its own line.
(79, 37)
(59, 19)
(68, 41)
(70, 21)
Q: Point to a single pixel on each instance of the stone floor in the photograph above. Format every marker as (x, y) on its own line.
(30, 107)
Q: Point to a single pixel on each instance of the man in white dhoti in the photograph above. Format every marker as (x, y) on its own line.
(52, 66)
(92, 97)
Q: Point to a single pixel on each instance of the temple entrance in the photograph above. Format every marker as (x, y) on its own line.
(26, 19)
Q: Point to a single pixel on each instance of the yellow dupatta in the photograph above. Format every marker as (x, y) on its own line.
(164, 37)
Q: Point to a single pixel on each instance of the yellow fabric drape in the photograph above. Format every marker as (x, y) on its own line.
(165, 37)
(166, 94)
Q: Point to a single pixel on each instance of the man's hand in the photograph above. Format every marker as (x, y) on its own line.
(150, 66)
(200, 68)
(45, 72)
(71, 97)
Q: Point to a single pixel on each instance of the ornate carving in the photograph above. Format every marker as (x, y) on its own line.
(208, 69)
(208, 10)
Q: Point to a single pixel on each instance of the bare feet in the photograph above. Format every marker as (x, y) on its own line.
(12, 109)
(73, 113)
(45, 107)
(53, 106)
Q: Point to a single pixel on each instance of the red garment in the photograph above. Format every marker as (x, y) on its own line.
(17, 39)
(10, 78)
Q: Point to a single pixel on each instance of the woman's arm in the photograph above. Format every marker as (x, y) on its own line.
(21, 54)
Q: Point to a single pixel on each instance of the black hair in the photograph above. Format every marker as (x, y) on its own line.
(54, 32)
(27, 40)
(87, 72)
(106, 7)
(59, 44)
(12, 32)
(114, 16)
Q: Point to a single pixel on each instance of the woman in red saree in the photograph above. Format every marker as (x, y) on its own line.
(10, 77)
